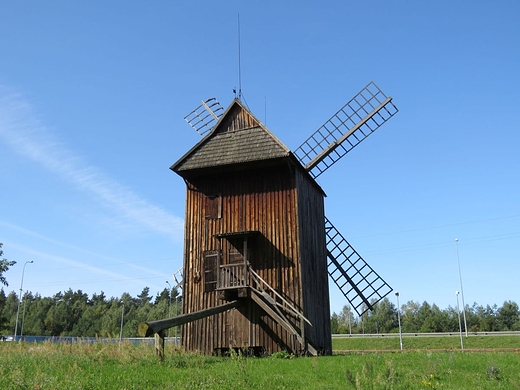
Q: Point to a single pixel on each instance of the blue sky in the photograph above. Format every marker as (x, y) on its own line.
(92, 100)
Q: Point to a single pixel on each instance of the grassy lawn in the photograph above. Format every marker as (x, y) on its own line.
(108, 366)
(426, 343)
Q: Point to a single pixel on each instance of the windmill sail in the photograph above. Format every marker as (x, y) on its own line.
(178, 276)
(358, 282)
(204, 117)
(354, 122)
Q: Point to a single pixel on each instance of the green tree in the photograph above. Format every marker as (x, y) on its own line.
(508, 316)
(56, 320)
(334, 324)
(3, 300)
(489, 322)
(385, 315)
(344, 320)
(473, 317)
(164, 295)
(111, 321)
(4, 266)
(98, 299)
(144, 297)
(90, 322)
(9, 312)
(35, 314)
(157, 311)
(452, 319)
(432, 319)
(382, 318)
(409, 317)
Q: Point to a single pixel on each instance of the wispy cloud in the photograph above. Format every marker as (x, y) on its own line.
(71, 264)
(24, 133)
(91, 254)
(68, 262)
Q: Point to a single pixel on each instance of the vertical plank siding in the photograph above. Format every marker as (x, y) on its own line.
(287, 209)
(245, 206)
(313, 252)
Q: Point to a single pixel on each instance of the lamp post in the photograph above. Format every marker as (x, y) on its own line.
(460, 324)
(122, 317)
(23, 314)
(20, 299)
(462, 290)
(349, 322)
(169, 306)
(399, 320)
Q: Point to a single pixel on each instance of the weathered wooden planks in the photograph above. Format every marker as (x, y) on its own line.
(241, 178)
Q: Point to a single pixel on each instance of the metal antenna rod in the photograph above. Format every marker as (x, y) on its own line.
(239, 64)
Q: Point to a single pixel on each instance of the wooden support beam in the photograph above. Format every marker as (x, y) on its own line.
(147, 329)
(159, 344)
(275, 314)
(272, 313)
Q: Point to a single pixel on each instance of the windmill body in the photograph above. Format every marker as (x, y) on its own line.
(259, 250)
(254, 234)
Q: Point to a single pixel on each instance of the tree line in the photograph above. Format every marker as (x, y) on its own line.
(74, 313)
(426, 318)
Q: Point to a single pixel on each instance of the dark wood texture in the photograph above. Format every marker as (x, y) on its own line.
(253, 185)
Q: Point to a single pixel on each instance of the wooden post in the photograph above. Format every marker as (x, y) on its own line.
(246, 262)
(159, 344)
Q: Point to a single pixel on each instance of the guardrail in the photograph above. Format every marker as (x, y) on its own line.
(89, 340)
(443, 334)
(232, 276)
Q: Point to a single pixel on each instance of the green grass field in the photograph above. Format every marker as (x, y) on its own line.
(109, 366)
(426, 343)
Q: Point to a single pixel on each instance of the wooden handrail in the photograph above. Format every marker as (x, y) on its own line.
(232, 276)
(256, 276)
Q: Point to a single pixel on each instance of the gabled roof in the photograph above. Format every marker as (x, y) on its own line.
(238, 137)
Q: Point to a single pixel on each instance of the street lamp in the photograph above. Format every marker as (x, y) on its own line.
(349, 322)
(462, 290)
(399, 320)
(23, 313)
(122, 315)
(169, 306)
(460, 324)
(20, 299)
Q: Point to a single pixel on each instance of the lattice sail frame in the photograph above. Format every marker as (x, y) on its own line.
(204, 117)
(354, 122)
(357, 281)
(178, 276)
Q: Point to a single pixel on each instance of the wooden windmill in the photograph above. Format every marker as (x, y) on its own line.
(259, 249)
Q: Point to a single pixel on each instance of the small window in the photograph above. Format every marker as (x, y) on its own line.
(213, 207)
(210, 270)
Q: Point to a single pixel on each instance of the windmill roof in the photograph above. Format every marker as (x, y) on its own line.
(238, 137)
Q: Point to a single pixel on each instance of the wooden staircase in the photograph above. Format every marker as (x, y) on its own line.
(237, 282)
(240, 280)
